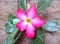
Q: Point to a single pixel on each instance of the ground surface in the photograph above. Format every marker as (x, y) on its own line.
(52, 13)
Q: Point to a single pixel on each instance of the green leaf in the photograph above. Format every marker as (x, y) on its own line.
(13, 35)
(15, 21)
(22, 4)
(12, 38)
(43, 4)
(51, 26)
(40, 37)
(11, 17)
(9, 27)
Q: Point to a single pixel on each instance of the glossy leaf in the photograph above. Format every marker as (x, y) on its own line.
(9, 27)
(11, 17)
(15, 21)
(51, 26)
(43, 4)
(12, 38)
(22, 4)
(14, 33)
(40, 37)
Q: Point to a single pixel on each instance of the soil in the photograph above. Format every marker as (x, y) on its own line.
(52, 13)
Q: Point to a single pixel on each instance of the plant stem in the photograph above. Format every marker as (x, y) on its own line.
(18, 3)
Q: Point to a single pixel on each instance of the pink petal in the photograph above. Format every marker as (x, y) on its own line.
(32, 12)
(38, 22)
(21, 26)
(30, 34)
(30, 31)
(21, 14)
(28, 5)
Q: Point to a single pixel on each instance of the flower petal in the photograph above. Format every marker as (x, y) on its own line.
(30, 31)
(21, 14)
(38, 22)
(30, 34)
(32, 12)
(21, 26)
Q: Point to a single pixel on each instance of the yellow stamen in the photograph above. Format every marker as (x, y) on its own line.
(28, 20)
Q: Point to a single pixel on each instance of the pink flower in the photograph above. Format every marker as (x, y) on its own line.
(29, 21)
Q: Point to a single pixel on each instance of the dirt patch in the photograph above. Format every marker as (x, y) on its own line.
(52, 13)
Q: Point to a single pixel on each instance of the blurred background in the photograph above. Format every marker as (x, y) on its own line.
(51, 13)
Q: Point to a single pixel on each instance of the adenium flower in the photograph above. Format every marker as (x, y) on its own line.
(29, 21)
